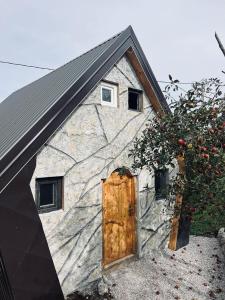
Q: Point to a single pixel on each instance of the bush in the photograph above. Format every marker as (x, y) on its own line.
(195, 132)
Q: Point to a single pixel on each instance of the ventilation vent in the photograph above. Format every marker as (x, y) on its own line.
(5, 289)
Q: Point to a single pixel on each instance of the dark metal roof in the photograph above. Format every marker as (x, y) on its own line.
(22, 109)
(29, 116)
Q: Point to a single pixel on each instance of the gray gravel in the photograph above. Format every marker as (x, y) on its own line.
(195, 272)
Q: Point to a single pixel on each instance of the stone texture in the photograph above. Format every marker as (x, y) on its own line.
(102, 288)
(81, 136)
(89, 146)
(221, 238)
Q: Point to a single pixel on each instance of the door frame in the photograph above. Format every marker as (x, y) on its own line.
(136, 220)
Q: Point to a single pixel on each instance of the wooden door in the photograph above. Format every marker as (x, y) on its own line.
(119, 238)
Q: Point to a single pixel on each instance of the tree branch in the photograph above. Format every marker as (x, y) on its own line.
(220, 44)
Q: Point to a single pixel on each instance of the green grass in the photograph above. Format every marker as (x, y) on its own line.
(208, 222)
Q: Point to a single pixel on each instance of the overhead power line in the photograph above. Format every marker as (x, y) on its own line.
(24, 65)
(50, 69)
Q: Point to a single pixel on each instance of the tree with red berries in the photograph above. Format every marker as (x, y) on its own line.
(194, 130)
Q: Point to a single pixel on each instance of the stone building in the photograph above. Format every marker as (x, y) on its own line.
(94, 209)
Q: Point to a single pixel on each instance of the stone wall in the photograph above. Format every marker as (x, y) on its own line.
(91, 144)
(221, 238)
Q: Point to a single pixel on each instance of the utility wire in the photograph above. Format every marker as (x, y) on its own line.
(50, 69)
(23, 65)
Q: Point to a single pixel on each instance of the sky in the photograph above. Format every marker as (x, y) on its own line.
(177, 36)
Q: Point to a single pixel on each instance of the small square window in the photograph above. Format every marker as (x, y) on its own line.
(49, 194)
(161, 183)
(134, 99)
(109, 94)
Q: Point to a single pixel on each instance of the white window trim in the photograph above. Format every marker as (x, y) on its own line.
(113, 89)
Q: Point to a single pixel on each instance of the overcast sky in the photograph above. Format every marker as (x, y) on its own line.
(177, 36)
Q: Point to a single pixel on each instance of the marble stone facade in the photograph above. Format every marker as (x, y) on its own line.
(221, 238)
(89, 146)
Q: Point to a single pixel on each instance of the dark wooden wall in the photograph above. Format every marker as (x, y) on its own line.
(23, 245)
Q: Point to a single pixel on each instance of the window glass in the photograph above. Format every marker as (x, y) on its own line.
(106, 95)
(109, 94)
(49, 193)
(46, 194)
(134, 99)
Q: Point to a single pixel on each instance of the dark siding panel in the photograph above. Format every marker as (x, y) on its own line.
(23, 245)
(5, 288)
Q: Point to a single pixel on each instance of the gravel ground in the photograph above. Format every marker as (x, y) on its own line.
(195, 272)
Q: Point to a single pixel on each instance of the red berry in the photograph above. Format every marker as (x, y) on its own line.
(214, 149)
(181, 142)
(202, 148)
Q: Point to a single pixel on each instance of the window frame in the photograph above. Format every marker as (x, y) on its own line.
(160, 194)
(140, 99)
(114, 93)
(57, 194)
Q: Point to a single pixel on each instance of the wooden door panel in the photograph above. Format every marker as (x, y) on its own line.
(118, 217)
